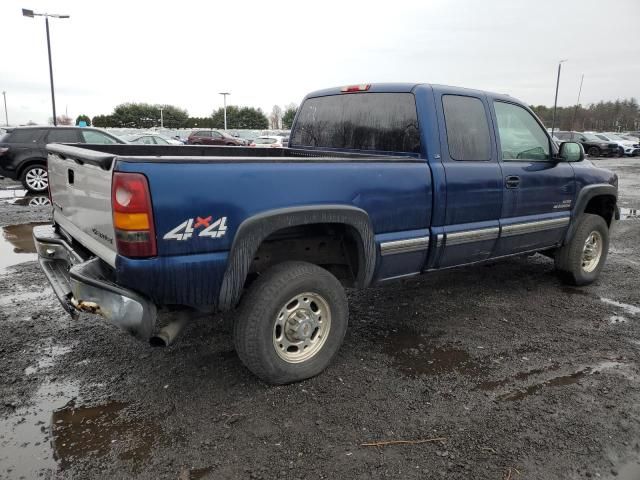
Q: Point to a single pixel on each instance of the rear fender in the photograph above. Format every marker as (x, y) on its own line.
(255, 229)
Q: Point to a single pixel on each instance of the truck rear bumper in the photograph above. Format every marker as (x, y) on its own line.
(86, 284)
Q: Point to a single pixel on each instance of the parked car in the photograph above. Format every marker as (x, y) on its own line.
(594, 146)
(23, 154)
(268, 141)
(150, 139)
(630, 137)
(625, 147)
(371, 189)
(213, 137)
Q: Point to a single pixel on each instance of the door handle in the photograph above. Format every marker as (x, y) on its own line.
(512, 181)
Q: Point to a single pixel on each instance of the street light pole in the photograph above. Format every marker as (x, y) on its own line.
(6, 115)
(224, 95)
(161, 119)
(31, 14)
(555, 102)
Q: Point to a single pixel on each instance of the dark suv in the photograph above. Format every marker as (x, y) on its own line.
(23, 155)
(594, 146)
(213, 137)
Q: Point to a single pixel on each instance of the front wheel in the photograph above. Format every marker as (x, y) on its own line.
(594, 152)
(580, 261)
(291, 322)
(35, 178)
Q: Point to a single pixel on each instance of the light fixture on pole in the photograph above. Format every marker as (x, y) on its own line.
(31, 14)
(224, 95)
(6, 115)
(555, 102)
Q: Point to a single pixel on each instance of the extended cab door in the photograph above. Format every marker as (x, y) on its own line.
(538, 190)
(470, 227)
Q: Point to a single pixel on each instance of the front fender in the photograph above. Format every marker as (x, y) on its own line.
(254, 230)
(586, 194)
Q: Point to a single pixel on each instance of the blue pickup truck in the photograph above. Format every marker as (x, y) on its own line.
(380, 182)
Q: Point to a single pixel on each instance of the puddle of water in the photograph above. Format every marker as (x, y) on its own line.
(12, 193)
(412, 354)
(16, 244)
(561, 381)
(632, 309)
(629, 471)
(48, 359)
(25, 450)
(617, 319)
(97, 431)
(630, 214)
(493, 384)
(17, 196)
(22, 296)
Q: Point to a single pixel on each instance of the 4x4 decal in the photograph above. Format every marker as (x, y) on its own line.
(187, 229)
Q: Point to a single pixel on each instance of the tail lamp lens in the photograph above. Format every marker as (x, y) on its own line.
(132, 215)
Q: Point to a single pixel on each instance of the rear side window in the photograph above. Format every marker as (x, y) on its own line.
(384, 122)
(26, 135)
(62, 135)
(467, 128)
(202, 133)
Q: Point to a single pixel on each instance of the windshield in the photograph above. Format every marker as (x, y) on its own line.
(591, 137)
(614, 137)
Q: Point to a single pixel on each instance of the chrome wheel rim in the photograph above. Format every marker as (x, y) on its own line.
(39, 202)
(37, 179)
(591, 252)
(302, 327)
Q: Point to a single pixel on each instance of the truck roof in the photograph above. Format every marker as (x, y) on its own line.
(406, 88)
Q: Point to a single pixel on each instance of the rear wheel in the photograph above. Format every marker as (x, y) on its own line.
(580, 261)
(291, 322)
(594, 151)
(35, 178)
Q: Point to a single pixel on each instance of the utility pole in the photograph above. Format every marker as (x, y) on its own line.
(161, 118)
(555, 102)
(575, 110)
(224, 95)
(6, 115)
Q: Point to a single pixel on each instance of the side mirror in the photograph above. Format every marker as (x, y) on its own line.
(571, 152)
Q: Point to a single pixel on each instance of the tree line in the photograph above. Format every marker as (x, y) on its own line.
(145, 115)
(619, 115)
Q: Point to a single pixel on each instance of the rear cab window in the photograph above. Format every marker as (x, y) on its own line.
(384, 122)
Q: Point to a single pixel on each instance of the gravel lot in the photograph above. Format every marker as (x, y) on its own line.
(506, 372)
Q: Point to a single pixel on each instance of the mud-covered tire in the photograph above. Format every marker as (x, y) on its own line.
(263, 308)
(571, 260)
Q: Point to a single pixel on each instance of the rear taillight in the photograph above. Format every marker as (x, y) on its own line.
(252, 144)
(132, 215)
(3, 150)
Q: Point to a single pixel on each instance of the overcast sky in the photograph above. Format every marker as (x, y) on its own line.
(265, 53)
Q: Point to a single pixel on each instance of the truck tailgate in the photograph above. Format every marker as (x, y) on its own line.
(81, 196)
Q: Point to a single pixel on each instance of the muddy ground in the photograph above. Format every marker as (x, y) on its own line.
(496, 372)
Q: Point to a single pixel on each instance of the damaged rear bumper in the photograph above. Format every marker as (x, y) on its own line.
(87, 284)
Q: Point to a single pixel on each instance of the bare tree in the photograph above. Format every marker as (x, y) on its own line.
(275, 118)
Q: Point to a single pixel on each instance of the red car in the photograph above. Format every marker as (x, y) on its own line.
(213, 137)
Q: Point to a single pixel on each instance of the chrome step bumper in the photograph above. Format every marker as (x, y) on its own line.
(88, 285)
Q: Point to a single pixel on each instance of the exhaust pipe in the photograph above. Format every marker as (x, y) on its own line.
(169, 332)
